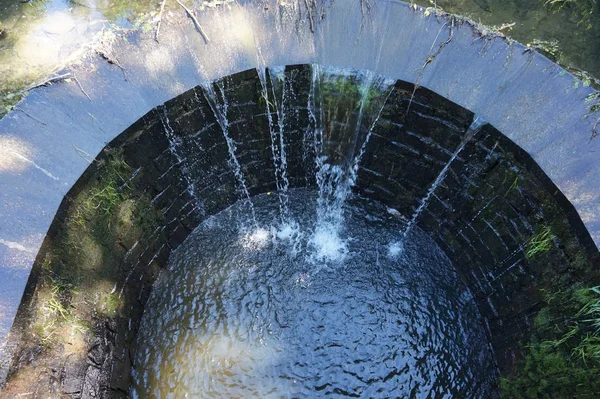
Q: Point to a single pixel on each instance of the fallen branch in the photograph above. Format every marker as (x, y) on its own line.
(55, 79)
(29, 115)
(162, 9)
(430, 59)
(506, 26)
(81, 87)
(193, 17)
(310, 17)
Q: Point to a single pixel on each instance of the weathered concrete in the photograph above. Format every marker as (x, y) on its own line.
(525, 96)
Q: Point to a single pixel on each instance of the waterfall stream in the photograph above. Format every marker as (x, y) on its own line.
(343, 110)
(275, 102)
(220, 112)
(471, 132)
(175, 147)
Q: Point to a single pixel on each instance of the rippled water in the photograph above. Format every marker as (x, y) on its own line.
(252, 313)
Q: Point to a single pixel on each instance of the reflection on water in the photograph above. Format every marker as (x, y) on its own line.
(243, 313)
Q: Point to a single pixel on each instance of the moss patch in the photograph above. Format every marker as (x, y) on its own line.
(77, 292)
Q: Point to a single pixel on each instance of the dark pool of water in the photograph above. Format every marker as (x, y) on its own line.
(245, 312)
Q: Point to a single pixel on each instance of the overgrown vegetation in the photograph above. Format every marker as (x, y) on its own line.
(81, 267)
(8, 100)
(550, 48)
(581, 10)
(563, 358)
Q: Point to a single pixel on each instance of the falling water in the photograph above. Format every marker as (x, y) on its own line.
(336, 131)
(175, 146)
(472, 131)
(277, 132)
(279, 73)
(361, 152)
(220, 112)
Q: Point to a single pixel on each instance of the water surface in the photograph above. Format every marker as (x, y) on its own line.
(248, 312)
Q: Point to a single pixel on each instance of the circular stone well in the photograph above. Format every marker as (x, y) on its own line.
(484, 145)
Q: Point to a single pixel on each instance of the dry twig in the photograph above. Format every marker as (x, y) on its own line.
(193, 17)
(55, 79)
(110, 60)
(81, 87)
(29, 115)
(430, 59)
(162, 9)
(311, 21)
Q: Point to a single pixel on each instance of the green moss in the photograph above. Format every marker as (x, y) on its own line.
(109, 304)
(56, 320)
(9, 97)
(543, 319)
(513, 186)
(83, 263)
(580, 10)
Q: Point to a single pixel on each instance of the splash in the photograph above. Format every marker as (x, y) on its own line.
(344, 108)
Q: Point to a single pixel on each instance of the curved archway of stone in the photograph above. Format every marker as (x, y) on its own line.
(516, 102)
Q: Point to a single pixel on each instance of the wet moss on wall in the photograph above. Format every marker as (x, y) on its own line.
(79, 279)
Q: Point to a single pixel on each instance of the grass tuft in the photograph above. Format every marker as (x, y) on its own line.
(540, 243)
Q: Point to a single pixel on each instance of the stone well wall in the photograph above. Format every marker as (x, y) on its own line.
(162, 176)
(48, 140)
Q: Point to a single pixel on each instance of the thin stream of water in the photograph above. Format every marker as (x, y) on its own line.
(175, 149)
(471, 132)
(220, 112)
(276, 133)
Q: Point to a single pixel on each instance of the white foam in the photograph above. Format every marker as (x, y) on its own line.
(328, 245)
(395, 249)
(290, 235)
(394, 212)
(287, 231)
(256, 239)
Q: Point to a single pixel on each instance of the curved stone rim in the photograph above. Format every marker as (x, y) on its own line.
(57, 131)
